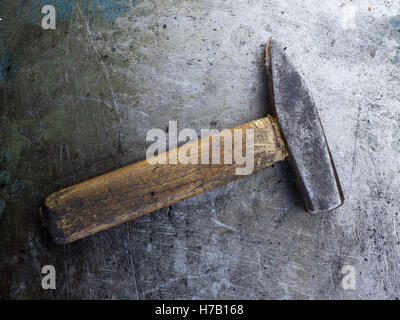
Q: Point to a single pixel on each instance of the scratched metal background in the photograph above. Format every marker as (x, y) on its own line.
(77, 102)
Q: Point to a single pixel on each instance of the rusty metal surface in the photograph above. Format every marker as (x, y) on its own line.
(309, 154)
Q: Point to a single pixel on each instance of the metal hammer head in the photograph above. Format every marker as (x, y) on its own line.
(309, 155)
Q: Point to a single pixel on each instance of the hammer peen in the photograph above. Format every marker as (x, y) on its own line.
(293, 130)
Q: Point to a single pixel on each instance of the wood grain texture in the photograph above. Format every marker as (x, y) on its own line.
(140, 188)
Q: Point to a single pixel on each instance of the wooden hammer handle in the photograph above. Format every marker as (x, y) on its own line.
(140, 188)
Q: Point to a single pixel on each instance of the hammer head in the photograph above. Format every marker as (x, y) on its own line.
(309, 156)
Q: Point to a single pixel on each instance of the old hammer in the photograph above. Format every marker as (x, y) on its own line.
(292, 130)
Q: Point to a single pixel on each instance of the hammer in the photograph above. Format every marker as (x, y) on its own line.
(293, 130)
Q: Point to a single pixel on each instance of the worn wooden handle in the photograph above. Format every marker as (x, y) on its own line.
(140, 188)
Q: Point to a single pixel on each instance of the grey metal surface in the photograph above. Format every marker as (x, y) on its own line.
(309, 154)
(79, 101)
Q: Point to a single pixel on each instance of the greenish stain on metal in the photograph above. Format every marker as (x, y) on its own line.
(396, 58)
(4, 177)
(106, 9)
(109, 10)
(395, 25)
(8, 64)
(5, 156)
(18, 187)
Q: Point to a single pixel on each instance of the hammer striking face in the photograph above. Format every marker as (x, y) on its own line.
(294, 129)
